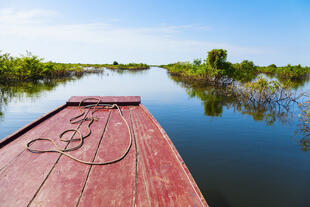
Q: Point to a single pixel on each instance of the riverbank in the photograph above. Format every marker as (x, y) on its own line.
(244, 84)
(217, 70)
(31, 68)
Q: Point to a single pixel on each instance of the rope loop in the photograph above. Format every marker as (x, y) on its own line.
(77, 119)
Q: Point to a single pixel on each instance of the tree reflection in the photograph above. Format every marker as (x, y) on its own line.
(293, 84)
(34, 89)
(216, 98)
(303, 128)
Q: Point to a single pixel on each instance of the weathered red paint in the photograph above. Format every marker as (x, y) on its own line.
(66, 180)
(117, 181)
(23, 172)
(151, 174)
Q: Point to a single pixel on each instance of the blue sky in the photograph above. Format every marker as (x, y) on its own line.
(157, 32)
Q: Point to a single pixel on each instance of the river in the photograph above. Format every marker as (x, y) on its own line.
(239, 156)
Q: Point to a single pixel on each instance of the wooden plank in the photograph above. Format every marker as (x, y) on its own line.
(66, 181)
(143, 198)
(165, 181)
(120, 100)
(29, 126)
(112, 185)
(20, 180)
(177, 155)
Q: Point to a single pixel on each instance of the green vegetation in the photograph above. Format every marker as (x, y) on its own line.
(31, 67)
(130, 66)
(215, 69)
(187, 70)
(262, 91)
(245, 91)
(296, 72)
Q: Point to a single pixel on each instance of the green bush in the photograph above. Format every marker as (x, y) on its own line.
(31, 67)
(244, 71)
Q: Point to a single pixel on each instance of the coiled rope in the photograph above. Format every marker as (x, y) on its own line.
(74, 120)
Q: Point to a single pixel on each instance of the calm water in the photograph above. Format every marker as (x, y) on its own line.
(239, 156)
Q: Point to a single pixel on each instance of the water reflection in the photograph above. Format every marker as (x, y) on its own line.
(125, 72)
(216, 98)
(293, 84)
(303, 128)
(27, 89)
(304, 143)
(34, 89)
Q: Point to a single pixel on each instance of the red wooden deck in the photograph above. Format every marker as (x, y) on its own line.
(151, 174)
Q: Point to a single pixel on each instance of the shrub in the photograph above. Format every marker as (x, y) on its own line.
(31, 67)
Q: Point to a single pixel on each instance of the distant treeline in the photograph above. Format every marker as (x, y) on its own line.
(130, 66)
(30, 67)
(216, 68)
(293, 72)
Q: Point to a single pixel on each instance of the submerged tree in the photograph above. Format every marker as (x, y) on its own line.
(263, 91)
(263, 100)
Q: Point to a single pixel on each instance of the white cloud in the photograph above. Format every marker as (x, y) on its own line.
(101, 42)
(11, 16)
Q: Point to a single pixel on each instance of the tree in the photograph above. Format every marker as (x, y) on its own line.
(115, 63)
(197, 62)
(272, 66)
(244, 71)
(217, 66)
(247, 66)
(217, 58)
